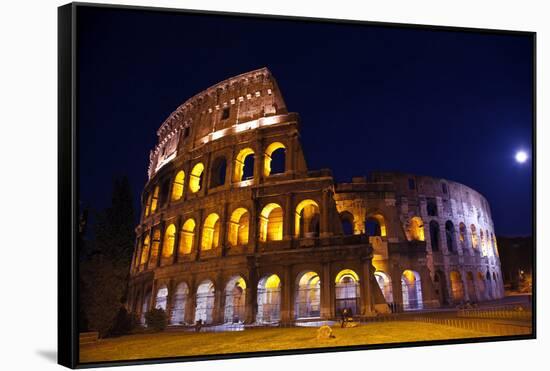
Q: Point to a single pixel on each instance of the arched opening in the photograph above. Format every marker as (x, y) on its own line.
(347, 292)
(244, 165)
(162, 298)
(145, 250)
(235, 300)
(187, 237)
(495, 248)
(471, 286)
(218, 171)
(238, 227)
(269, 299)
(180, 300)
(177, 186)
(411, 287)
(169, 241)
(375, 225)
(195, 180)
(274, 159)
(155, 247)
(450, 235)
(155, 199)
(434, 235)
(440, 287)
(204, 302)
(308, 296)
(481, 286)
(462, 234)
(271, 223)
(307, 219)
(416, 229)
(384, 282)
(474, 237)
(210, 232)
(457, 286)
(347, 223)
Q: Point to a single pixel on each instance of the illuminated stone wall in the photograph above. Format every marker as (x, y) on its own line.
(233, 220)
(460, 259)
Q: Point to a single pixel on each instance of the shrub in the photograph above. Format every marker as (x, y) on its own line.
(125, 323)
(156, 319)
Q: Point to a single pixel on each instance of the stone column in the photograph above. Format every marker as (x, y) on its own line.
(162, 227)
(177, 237)
(397, 290)
(152, 300)
(287, 288)
(224, 225)
(148, 262)
(187, 176)
(198, 235)
(251, 308)
(327, 302)
(219, 296)
(253, 231)
(325, 215)
(230, 168)
(170, 299)
(290, 155)
(259, 164)
(288, 218)
(368, 302)
(190, 303)
(206, 174)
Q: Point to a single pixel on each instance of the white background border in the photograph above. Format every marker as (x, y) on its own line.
(28, 110)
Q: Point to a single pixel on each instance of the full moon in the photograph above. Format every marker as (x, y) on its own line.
(521, 157)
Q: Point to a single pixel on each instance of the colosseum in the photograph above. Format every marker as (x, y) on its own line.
(236, 229)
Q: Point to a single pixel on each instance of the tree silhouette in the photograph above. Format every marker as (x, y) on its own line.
(105, 264)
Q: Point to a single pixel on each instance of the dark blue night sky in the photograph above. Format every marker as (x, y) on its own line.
(454, 105)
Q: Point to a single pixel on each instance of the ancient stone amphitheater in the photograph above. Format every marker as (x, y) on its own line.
(236, 229)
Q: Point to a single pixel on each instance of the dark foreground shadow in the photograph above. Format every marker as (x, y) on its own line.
(50, 355)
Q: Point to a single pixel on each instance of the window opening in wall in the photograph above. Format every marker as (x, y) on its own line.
(225, 113)
(431, 207)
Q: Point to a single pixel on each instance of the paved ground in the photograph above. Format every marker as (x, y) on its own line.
(400, 329)
(187, 343)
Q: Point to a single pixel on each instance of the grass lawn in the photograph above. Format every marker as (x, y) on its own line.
(170, 344)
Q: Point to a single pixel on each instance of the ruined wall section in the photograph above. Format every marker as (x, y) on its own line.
(220, 110)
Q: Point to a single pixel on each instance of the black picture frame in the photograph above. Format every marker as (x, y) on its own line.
(68, 189)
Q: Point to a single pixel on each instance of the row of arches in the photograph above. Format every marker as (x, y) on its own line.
(474, 286)
(270, 224)
(306, 297)
(486, 241)
(243, 169)
(375, 225)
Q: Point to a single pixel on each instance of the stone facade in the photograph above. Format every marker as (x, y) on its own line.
(235, 228)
